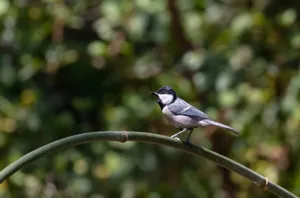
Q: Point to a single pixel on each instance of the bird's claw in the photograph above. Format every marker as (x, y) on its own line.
(177, 139)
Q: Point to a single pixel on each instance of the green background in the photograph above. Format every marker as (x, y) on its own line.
(74, 66)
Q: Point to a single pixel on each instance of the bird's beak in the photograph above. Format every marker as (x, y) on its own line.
(153, 93)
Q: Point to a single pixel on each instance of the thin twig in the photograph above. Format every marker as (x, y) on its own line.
(122, 136)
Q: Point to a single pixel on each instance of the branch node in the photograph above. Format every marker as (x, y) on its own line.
(125, 136)
(264, 186)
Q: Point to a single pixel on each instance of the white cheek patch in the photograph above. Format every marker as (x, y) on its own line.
(165, 98)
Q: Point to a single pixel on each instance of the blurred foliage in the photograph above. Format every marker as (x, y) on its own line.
(73, 66)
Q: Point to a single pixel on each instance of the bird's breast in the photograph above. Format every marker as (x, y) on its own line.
(168, 115)
(179, 121)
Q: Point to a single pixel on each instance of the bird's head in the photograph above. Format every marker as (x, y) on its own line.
(165, 95)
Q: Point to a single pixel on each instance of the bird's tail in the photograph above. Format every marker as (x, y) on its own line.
(217, 124)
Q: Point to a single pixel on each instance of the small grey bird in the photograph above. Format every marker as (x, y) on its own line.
(181, 114)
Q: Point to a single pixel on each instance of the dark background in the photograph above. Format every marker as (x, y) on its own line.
(73, 66)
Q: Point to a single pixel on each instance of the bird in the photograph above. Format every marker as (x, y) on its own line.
(181, 114)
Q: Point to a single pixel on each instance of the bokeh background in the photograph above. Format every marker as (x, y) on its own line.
(73, 66)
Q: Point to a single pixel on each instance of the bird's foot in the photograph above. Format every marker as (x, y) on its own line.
(177, 139)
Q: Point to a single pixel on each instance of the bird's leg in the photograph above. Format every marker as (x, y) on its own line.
(175, 135)
(187, 141)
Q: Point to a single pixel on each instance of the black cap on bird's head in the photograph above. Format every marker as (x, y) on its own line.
(164, 90)
(165, 95)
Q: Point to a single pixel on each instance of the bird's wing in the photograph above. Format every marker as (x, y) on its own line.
(180, 107)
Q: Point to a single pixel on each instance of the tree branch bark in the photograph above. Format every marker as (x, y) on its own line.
(123, 136)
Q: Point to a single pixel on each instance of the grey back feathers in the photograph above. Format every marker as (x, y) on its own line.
(181, 107)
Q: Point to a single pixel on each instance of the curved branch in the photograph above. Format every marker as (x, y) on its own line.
(123, 136)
